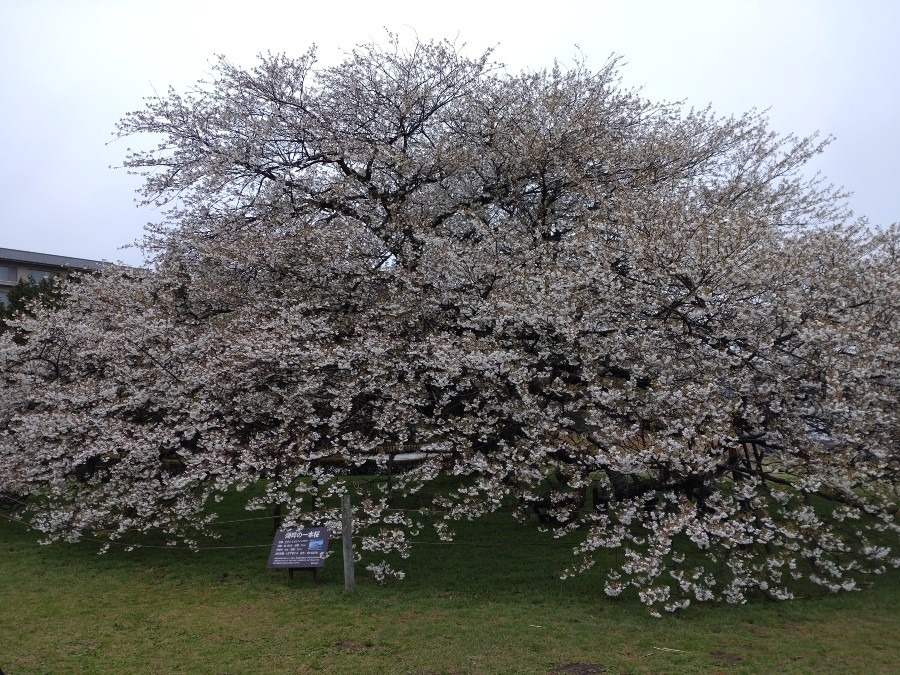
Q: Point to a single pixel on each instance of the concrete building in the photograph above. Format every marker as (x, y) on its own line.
(16, 265)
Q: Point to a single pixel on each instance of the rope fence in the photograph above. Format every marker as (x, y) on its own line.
(182, 547)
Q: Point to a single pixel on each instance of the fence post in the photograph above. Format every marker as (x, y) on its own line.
(347, 531)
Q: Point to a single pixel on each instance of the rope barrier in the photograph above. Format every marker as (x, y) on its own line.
(15, 520)
(417, 542)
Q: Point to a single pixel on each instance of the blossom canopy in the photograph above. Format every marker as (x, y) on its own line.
(641, 323)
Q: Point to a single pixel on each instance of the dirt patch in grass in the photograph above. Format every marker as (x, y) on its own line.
(726, 658)
(578, 669)
(348, 646)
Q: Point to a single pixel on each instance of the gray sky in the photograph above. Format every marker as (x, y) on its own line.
(72, 68)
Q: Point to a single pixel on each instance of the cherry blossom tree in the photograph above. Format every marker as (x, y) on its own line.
(639, 323)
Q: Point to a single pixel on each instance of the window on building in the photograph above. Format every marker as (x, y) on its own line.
(7, 273)
(37, 276)
(4, 298)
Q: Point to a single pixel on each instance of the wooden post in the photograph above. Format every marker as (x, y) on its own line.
(347, 528)
(276, 518)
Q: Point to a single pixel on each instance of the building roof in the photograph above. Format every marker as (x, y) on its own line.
(15, 255)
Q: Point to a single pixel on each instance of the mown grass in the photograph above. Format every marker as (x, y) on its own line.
(492, 602)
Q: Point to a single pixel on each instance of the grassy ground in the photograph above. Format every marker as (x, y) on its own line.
(490, 603)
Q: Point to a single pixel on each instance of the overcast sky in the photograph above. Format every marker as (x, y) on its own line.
(72, 68)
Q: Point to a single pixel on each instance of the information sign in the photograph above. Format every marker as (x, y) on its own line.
(299, 548)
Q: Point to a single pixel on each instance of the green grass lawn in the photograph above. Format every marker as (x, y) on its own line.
(492, 602)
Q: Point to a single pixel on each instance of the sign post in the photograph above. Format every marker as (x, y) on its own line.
(299, 549)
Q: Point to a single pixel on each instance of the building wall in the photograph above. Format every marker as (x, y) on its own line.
(18, 265)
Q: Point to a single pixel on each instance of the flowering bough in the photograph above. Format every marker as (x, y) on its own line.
(631, 321)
